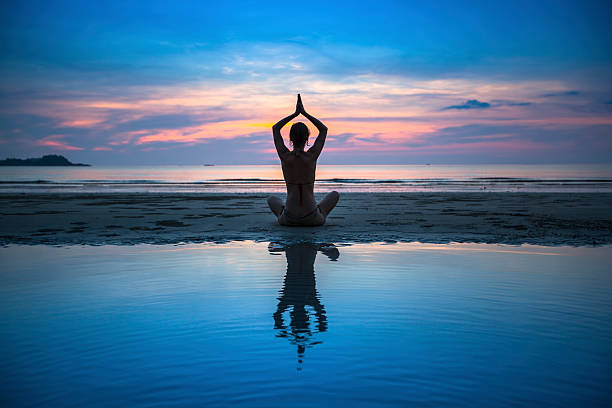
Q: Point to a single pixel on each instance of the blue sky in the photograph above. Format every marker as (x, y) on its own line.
(396, 82)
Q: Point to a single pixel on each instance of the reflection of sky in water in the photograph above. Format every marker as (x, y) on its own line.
(401, 324)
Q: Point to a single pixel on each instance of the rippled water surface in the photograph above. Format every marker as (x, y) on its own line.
(252, 324)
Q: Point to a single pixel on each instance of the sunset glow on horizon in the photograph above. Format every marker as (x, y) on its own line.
(194, 84)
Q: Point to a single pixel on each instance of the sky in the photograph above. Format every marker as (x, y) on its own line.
(396, 82)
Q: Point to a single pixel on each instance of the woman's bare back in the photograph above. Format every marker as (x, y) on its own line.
(299, 173)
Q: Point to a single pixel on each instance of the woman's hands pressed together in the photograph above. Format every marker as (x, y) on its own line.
(299, 107)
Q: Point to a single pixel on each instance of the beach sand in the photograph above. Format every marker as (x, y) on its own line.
(510, 218)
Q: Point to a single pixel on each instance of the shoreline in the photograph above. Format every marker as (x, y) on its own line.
(549, 219)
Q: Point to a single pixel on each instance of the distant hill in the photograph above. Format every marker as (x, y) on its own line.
(48, 160)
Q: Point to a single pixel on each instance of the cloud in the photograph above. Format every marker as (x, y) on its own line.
(563, 139)
(374, 119)
(501, 102)
(470, 104)
(54, 141)
(557, 94)
(162, 121)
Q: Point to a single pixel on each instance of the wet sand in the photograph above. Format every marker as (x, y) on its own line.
(124, 219)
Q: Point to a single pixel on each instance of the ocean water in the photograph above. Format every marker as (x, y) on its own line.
(256, 324)
(344, 178)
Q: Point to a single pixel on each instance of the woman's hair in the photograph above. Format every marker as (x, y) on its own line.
(299, 134)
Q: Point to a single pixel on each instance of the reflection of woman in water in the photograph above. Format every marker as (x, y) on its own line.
(300, 294)
(299, 167)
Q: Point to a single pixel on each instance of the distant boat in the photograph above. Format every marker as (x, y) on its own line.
(47, 160)
(208, 165)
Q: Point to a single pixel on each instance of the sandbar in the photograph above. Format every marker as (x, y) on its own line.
(574, 219)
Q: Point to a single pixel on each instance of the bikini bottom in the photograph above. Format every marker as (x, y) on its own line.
(313, 218)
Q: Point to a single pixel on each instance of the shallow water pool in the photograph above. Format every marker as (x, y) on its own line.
(254, 324)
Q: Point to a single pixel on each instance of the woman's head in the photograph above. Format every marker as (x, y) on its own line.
(299, 134)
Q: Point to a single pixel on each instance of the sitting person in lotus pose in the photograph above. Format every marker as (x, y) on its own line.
(299, 167)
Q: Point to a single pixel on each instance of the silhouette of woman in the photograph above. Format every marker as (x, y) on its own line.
(299, 293)
(299, 167)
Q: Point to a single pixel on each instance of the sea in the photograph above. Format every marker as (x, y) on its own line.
(252, 324)
(343, 178)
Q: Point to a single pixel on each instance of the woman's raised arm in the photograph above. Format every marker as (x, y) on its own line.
(320, 141)
(281, 149)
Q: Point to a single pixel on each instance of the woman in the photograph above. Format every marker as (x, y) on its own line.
(299, 167)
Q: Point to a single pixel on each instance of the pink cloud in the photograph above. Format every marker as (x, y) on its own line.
(55, 142)
(489, 146)
(83, 123)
